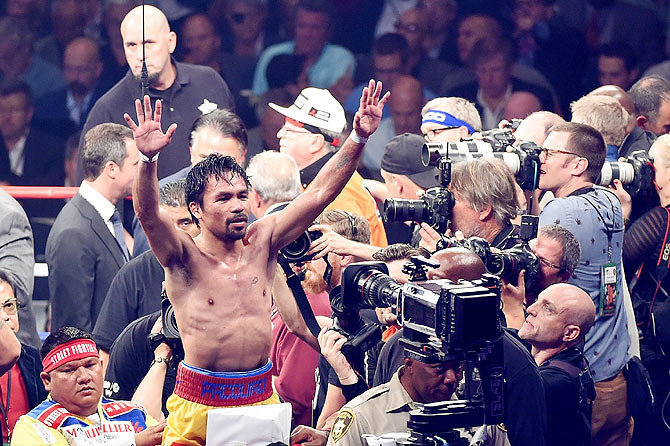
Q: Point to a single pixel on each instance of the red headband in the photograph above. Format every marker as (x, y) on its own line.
(70, 351)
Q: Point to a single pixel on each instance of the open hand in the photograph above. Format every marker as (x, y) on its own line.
(148, 134)
(369, 113)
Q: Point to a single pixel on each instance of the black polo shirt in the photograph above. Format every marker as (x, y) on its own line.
(567, 423)
(196, 90)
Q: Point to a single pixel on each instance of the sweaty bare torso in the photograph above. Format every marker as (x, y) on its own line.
(222, 305)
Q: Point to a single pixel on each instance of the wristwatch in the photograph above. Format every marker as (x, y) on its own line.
(159, 360)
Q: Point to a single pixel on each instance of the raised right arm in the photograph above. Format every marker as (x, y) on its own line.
(163, 237)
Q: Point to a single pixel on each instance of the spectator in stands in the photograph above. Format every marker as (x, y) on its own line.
(17, 260)
(33, 13)
(246, 20)
(548, 44)
(21, 386)
(68, 20)
(491, 61)
(35, 157)
(606, 115)
(19, 63)
(536, 127)
(86, 246)
(202, 42)
(112, 50)
(520, 105)
(413, 26)
(136, 290)
(405, 104)
(312, 130)
(389, 61)
(617, 65)
(264, 137)
(326, 63)
(440, 41)
(187, 91)
(65, 111)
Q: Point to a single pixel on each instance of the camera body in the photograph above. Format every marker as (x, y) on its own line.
(636, 173)
(434, 208)
(296, 251)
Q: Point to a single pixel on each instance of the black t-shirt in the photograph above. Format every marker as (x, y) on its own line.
(134, 292)
(525, 412)
(130, 358)
(567, 423)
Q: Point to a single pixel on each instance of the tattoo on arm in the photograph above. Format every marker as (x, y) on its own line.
(254, 281)
(344, 160)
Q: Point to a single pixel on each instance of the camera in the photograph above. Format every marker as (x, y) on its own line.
(442, 321)
(296, 251)
(169, 333)
(636, 173)
(434, 206)
(523, 161)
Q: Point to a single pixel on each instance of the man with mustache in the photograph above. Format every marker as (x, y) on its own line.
(75, 411)
(219, 283)
(187, 91)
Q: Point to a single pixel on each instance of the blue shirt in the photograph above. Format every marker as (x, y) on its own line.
(329, 67)
(607, 342)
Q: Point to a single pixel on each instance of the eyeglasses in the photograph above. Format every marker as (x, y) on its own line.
(431, 134)
(289, 129)
(545, 153)
(11, 306)
(548, 264)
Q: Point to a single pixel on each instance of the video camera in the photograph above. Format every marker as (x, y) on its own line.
(442, 321)
(636, 173)
(434, 207)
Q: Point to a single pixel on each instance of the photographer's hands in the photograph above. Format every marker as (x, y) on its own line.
(333, 242)
(331, 343)
(513, 298)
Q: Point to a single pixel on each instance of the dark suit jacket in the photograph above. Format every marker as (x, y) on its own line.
(83, 258)
(469, 92)
(30, 366)
(52, 116)
(43, 155)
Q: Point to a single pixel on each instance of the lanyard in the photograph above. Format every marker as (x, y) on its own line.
(4, 409)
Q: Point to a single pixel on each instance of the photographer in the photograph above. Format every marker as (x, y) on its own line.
(570, 163)
(485, 202)
(555, 327)
(558, 252)
(449, 119)
(525, 417)
(644, 246)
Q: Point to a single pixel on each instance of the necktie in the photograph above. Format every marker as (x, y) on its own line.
(118, 233)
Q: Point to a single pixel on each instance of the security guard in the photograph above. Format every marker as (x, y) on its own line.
(385, 409)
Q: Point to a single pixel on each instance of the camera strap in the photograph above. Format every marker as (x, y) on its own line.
(662, 267)
(295, 285)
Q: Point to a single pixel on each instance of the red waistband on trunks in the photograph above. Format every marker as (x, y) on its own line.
(222, 391)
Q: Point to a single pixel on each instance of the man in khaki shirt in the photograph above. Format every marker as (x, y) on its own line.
(385, 409)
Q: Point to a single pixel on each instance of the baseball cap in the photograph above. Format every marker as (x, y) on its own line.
(402, 156)
(315, 107)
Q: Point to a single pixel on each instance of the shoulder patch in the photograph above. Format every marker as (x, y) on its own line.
(341, 424)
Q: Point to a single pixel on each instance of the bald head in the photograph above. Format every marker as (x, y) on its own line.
(520, 105)
(536, 126)
(621, 95)
(160, 43)
(407, 100)
(574, 304)
(456, 264)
